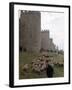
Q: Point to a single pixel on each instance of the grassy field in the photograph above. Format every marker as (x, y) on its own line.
(26, 58)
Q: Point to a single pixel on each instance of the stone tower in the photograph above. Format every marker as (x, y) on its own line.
(52, 46)
(46, 41)
(30, 31)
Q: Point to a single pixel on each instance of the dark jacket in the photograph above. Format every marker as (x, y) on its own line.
(49, 71)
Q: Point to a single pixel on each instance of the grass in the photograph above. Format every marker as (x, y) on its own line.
(58, 71)
(26, 58)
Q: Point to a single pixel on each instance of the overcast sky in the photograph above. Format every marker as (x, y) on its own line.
(55, 23)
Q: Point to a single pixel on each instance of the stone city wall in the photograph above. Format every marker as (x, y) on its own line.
(30, 31)
(31, 38)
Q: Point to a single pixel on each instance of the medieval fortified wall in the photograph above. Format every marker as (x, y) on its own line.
(46, 41)
(30, 30)
(31, 38)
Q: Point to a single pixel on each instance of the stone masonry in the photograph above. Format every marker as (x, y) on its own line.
(31, 38)
(46, 41)
(29, 33)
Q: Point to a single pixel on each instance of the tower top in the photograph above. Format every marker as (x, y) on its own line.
(45, 31)
(29, 12)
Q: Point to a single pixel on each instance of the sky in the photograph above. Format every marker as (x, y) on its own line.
(54, 22)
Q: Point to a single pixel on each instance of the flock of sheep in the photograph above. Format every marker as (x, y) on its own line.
(39, 65)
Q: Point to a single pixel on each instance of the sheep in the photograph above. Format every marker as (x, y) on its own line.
(25, 67)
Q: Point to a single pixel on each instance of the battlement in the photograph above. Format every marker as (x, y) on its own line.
(45, 31)
(26, 12)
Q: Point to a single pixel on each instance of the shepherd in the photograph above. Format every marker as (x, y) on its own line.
(49, 69)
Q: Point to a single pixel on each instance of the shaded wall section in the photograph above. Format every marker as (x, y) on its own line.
(46, 41)
(30, 31)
